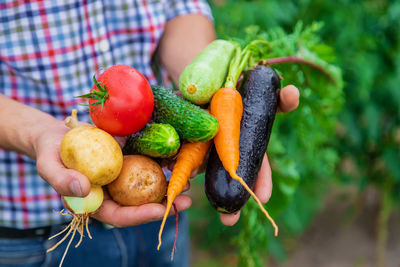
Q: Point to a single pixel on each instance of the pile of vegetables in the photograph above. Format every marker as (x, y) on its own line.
(235, 120)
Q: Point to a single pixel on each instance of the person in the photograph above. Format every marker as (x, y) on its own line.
(49, 51)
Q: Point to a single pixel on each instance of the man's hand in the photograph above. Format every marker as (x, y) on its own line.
(180, 43)
(114, 214)
(68, 182)
(289, 100)
(38, 135)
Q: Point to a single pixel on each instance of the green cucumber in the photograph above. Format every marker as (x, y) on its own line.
(155, 140)
(206, 73)
(190, 121)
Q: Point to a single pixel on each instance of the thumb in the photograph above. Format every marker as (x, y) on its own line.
(66, 182)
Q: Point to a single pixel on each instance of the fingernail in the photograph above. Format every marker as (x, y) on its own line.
(76, 189)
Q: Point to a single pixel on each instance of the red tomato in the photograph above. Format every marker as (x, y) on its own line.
(129, 104)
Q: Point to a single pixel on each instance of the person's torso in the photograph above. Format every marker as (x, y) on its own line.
(49, 52)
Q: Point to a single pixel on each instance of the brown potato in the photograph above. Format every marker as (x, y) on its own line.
(93, 152)
(141, 181)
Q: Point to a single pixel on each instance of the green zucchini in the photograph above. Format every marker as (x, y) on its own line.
(155, 140)
(206, 73)
(190, 121)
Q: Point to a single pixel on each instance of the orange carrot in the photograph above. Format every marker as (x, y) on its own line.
(227, 107)
(190, 157)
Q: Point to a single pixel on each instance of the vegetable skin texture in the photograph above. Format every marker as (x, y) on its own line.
(121, 101)
(190, 157)
(93, 152)
(260, 101)
(159, 140)
(206, 73)
(141, 181)
(85, 205)
(227, 107)
(190, 121)
(80, 210)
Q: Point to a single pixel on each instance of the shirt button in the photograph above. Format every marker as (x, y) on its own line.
(104, 45)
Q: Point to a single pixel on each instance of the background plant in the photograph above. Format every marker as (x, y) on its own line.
(317, 144)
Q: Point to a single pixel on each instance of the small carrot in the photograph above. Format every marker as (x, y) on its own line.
(190, 157)
(227, 107)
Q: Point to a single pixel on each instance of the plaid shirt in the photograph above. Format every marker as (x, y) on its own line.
(49, 50)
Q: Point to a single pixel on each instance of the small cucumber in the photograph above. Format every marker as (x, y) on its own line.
(155, 140)
(206, 73)
(190, 121)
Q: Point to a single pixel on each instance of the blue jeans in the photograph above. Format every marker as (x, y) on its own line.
(131, 246)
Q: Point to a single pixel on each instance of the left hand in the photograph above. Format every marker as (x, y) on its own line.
(289, 100)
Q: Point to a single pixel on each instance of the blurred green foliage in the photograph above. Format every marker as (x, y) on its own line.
(318, 142)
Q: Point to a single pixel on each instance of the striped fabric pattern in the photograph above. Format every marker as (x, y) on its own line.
(49, 51)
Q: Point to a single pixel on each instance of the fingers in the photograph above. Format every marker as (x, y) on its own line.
(121, 216)
(187, 187)
(289, 98)
(263, 187)
(195, 172)
(66, 182)
(229, 219)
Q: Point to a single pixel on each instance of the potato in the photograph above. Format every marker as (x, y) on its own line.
(93, 152)
(141, 181)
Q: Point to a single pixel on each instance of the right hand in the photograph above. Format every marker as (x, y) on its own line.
(289, 101)
(68, 182)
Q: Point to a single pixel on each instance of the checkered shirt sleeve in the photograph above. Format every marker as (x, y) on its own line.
(49, 50)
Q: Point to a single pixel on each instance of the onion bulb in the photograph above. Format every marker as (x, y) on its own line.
(80, 209)
(85, 205)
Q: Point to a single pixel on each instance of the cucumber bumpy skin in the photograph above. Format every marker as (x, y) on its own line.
(159, 140)
(190, 121)
(207, 72)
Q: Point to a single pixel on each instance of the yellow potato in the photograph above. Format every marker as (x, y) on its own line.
(141, 181)
(93, 152)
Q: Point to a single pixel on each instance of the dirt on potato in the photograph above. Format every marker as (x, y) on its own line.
(140, 181)
(93, 152)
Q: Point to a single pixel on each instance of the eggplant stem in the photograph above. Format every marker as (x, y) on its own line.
(295, 59)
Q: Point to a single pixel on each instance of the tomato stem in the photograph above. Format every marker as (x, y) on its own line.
(100, 95)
